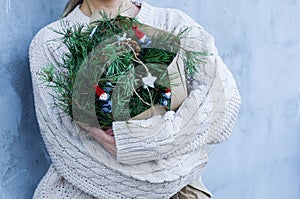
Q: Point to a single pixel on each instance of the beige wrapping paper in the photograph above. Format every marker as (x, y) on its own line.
(178, 90)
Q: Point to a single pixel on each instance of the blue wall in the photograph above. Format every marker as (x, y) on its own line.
(258, 40)
(23, 159)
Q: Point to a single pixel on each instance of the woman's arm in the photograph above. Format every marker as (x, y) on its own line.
(207, 116)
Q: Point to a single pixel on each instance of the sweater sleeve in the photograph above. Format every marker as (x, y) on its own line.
(206, 117)
(39, 57)
(41, 54)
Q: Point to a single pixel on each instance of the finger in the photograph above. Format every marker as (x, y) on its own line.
(109, 138)
(110, 148)
(101, 136)
(107, 141)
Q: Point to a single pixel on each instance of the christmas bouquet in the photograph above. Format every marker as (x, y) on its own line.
(118, 69)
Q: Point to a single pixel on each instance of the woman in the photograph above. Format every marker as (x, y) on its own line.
(169, 162)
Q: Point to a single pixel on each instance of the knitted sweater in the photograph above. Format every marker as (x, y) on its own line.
(156, 157)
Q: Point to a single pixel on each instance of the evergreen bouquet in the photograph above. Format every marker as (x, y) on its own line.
(118, 69)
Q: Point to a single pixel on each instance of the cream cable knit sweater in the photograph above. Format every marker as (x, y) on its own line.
(156, 157)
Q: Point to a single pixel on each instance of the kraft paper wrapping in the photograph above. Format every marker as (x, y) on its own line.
(178, 90)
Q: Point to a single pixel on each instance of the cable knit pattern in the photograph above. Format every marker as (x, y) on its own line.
(156, 157)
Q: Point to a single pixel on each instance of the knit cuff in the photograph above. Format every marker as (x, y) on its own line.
(139, 140)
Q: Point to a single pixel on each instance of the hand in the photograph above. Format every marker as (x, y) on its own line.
(104, 137)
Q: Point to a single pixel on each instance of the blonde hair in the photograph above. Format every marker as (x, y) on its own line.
(70, 6)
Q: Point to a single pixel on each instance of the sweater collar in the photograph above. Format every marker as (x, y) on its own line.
(77, 16)
(145, 13)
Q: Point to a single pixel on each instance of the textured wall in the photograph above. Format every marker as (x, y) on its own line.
(23, 160)
(259, 41)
